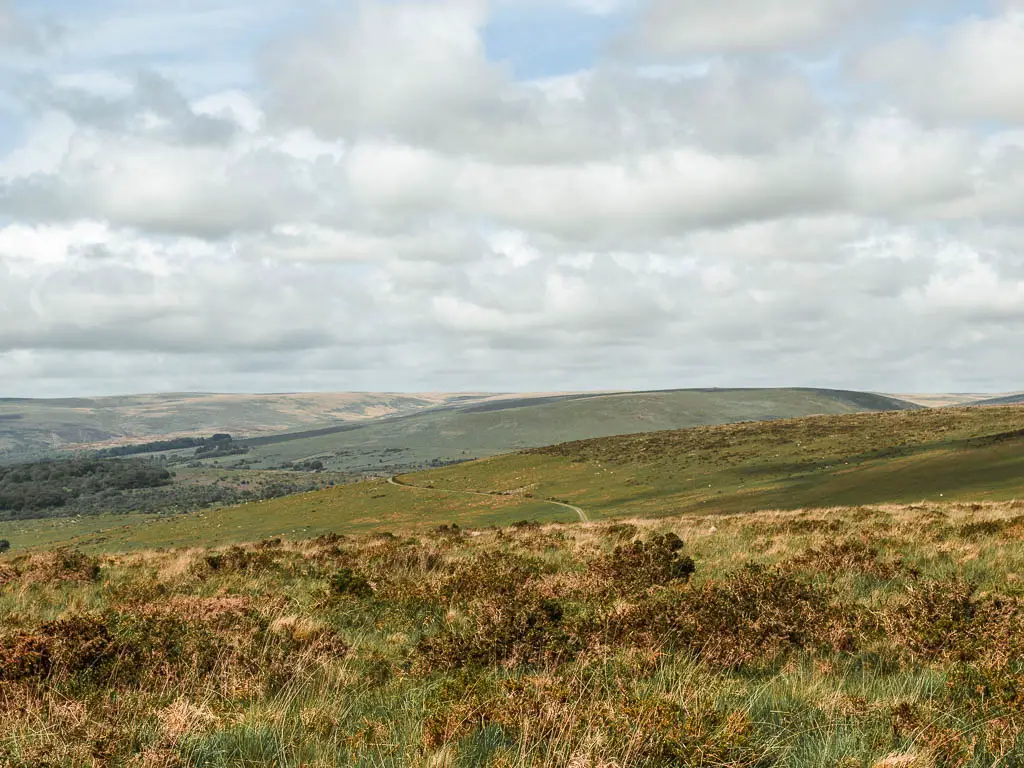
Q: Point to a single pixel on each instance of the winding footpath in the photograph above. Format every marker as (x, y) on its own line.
(398, 483)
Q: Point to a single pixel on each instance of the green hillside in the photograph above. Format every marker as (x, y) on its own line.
(964, 454)
(31, 428)
(1013, 399)
(480, 430)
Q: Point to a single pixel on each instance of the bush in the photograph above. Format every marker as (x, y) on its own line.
(59, 565)
(346, 581)
(528, 631)
(491, 574)
(636, 567)
(850, 557)
(753, 618)
(65, 647)
(949, 620)
(238, 560)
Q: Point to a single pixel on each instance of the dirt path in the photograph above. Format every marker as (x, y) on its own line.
(396, 482)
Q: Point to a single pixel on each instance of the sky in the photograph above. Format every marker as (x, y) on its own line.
(510, 195)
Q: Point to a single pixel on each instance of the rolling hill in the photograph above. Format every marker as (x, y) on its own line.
(457, 432)
(376, 431)
(31, 428)
(946, 455)
(1012, 399)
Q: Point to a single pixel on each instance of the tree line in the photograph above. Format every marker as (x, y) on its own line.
(47, 485)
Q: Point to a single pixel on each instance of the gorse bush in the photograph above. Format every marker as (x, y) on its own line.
(754, 617)
(61, 565)
(949, 620)
(640, 565)
(847, 557)
(528, 632)
(345, 581)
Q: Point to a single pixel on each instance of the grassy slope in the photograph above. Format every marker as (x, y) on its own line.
(1012, 399)
(968, 454)
(494, 428)
(364, 507)
(858, 459)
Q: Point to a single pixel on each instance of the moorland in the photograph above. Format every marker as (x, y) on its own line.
(832, 590)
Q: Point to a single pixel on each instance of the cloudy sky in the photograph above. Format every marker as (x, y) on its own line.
(278, 195)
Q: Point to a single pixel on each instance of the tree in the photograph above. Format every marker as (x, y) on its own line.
(5, 545)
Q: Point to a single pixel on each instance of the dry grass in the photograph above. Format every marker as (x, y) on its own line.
(888, 635)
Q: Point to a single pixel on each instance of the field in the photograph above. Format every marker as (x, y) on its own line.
(968, 454)
(906, 456)
(827, 591)
(884, 635)
(362, 507)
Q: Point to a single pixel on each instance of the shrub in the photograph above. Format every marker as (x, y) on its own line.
(346, 581)
(621, 531)
(528, 631)
(238, 560)
(849, 557)
(64, 647)
(493, 574)
(61, 565)
(754, 618)
(949, 620)
(636, 567)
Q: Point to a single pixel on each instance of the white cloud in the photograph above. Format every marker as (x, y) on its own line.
(19, 33)
(387, 70)
(974, 71)
(152, 186)
(729, 26)
(391, 209)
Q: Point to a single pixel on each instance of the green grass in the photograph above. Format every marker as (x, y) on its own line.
(360, 508)
(816, 462)
(950, 454)
(29, 534)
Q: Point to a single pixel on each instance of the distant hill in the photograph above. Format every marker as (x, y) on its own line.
(31, 428)
(953, 454)
(925, 457)
(376, 431)
(475, 430)
(943, 400)
(1016, 399)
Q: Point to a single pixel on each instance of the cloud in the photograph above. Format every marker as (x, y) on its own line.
(149, 158)
(693, 27)
(974, 71)
(153, 107)
(387, 206)
(388, 70)
(190, 191)
(19, 33)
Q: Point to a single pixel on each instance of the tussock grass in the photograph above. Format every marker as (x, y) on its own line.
(885, 635)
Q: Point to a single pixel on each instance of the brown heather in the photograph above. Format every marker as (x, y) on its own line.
(873, 636)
